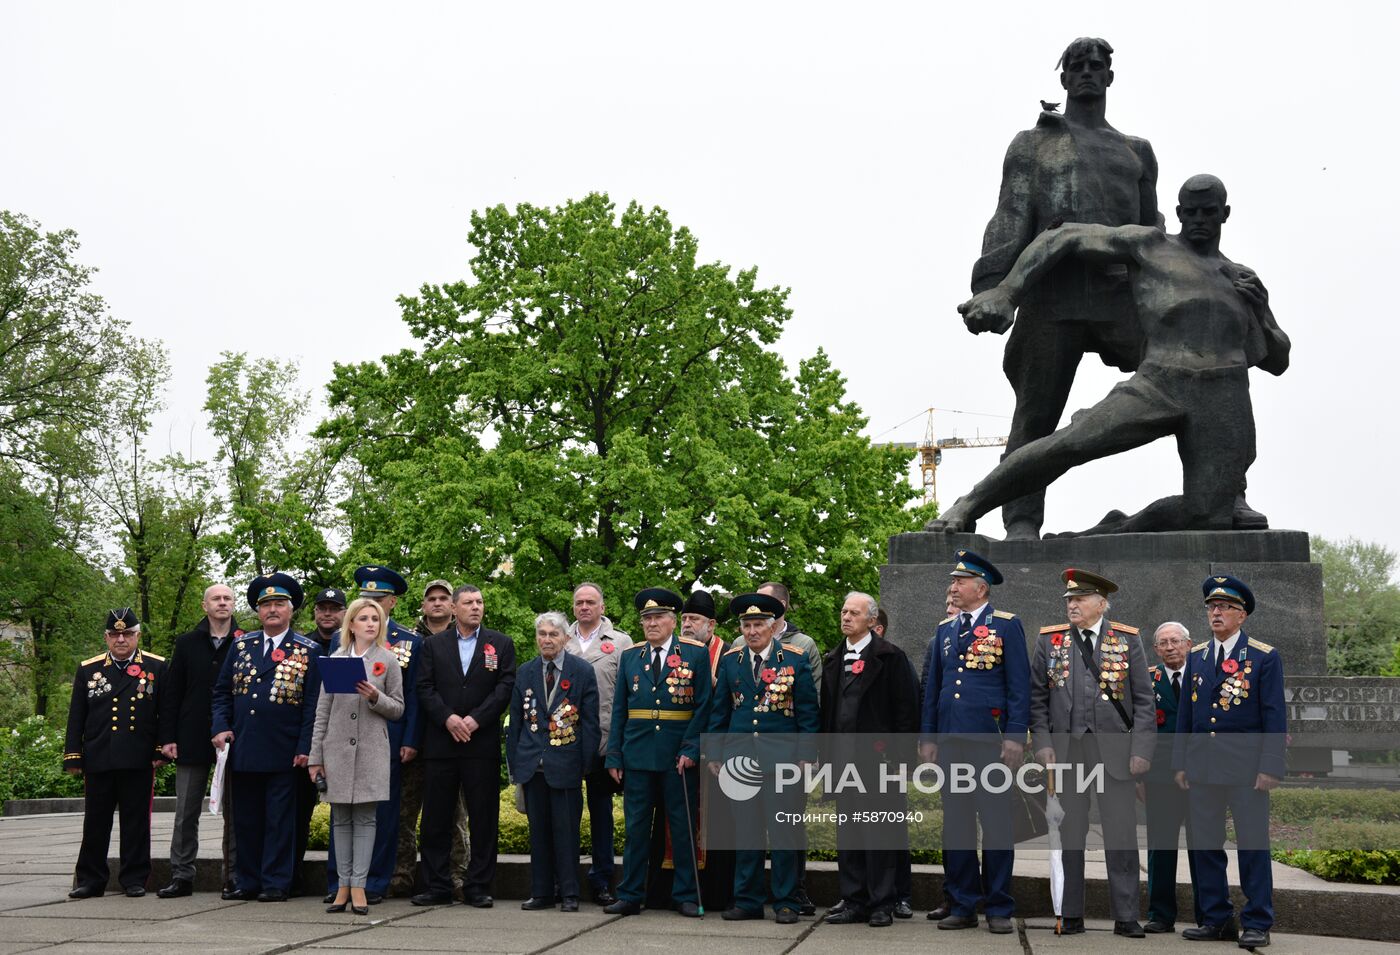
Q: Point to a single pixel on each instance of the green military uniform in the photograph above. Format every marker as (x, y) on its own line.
(660, 704)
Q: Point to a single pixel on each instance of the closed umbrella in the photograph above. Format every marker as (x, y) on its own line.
(1054, 815)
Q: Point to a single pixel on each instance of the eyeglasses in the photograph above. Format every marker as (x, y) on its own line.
(1170, 641)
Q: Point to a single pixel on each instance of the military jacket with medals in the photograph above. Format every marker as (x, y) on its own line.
(658, 715)
(783, 700)
(268, 700)
(978, 682)
(113, 717)
(1231, 721)
(407, 730)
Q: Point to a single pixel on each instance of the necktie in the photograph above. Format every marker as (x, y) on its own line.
(1219, 656)
(1086, 637)
(549, 679)
(656, 662)
(1176, 686)
(269, 645)
(757, 667)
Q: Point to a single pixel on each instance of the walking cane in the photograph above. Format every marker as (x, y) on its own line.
(690, 831)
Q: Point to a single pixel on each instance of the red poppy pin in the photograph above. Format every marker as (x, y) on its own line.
(1161, 717)
(563, 684)
(980, 631)
(674, 660)
(278, 655)
(489, 650)
(378, 668)
(858, 666)
(769, 675)
(1230, 666)
(1057, 639)
(134, 670)
(606, 647)
(238, 633)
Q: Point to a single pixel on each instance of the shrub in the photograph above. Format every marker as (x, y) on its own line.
(1376, 866)
(31, 762)
(1305, 806)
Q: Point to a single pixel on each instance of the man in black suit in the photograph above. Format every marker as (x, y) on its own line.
(465, 679)
(868, 687)
(186, 721)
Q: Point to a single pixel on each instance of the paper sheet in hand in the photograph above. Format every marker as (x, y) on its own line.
(340, 674)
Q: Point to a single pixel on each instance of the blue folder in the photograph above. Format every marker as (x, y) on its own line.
(340, 674)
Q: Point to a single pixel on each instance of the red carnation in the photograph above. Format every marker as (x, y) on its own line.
(1161, 717)
(606, 647)
(378, 668)
(674, 660)
(563, 684)
(996, 713)
(769, 675)
(981, 631)
(879, 746)
(858, 666)
(134, 670)
(1230, 666)
(278, 655)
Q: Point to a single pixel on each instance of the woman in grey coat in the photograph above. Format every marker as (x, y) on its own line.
(350, 747)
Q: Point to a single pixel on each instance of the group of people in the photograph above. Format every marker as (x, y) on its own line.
(593, 711)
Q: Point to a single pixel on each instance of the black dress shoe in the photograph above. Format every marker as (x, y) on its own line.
(903, 910)
(999, 925)
(330, 897)
(787, 916)
(176, 889)
(955, 922)
(1227, 932)
(1158, 927)
(603, 896)
(238, 895)
(689, 910)
(838, 908)
(805, 905)
(624, 907)
(1129, 929)
(480, 901)
(134, 891)
(737, 914)
(1252, 938)
(374, 898)
(534, 904)
(847, 916)
(359, 909)
(431, 898)
(86, 892)
(1072, 926)
(940, 913)
(337, 907)
(570, 904)
(272, 895)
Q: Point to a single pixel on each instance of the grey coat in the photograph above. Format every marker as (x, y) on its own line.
(604, 665)
(351, 736)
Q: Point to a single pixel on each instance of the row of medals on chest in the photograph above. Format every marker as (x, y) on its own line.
(98, 685)
(1235, 686)
(777, 691)
(679, 680)
(561, 724)
(287, 679)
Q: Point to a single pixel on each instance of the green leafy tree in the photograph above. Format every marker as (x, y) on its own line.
(595, 403)
(1361, 606)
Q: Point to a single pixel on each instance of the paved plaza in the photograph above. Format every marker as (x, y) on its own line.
(36, 864)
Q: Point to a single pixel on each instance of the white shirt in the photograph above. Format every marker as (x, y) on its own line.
(1173, 674)
(1091, 632)
(855, 649)
(765, 652)
(1230, 642)
(586, 639)
(975, 612)
(271, 642)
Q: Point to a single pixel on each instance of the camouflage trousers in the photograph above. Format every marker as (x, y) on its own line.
(405, 881)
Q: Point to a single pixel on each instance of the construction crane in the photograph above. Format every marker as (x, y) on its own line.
(931, 449)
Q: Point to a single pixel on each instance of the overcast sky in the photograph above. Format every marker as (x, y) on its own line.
(269, 177)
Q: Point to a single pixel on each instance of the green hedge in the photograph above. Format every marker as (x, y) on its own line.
(1307, 806)
(31, 764)
(1377, 866)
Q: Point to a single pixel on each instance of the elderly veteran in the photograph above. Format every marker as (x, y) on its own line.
(551, 742)
(113, 723)
(265, 705)
(1091, 704)
(659, 709)
(350, 749)
(1236, 691)
(976, 710)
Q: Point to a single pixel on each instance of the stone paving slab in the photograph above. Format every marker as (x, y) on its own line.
(115, 906)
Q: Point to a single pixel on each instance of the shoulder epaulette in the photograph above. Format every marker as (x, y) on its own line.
(734, 650)
(153, 656)
(100, 656)
(637, 646)
(1200, 646)
(1055, 629)
(695, 643)
(947, 620)
(305, 641)
(1260, 645)
(1122, 626)
(1003, 614)
(793, 647)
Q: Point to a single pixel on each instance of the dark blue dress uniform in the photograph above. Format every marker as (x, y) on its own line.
(976, 692)
(1230, 728)
(407, 730)
(757, 695)
(267, 698)
(112, 737)
(552, 743)
(1166, 807)
(659, 712)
